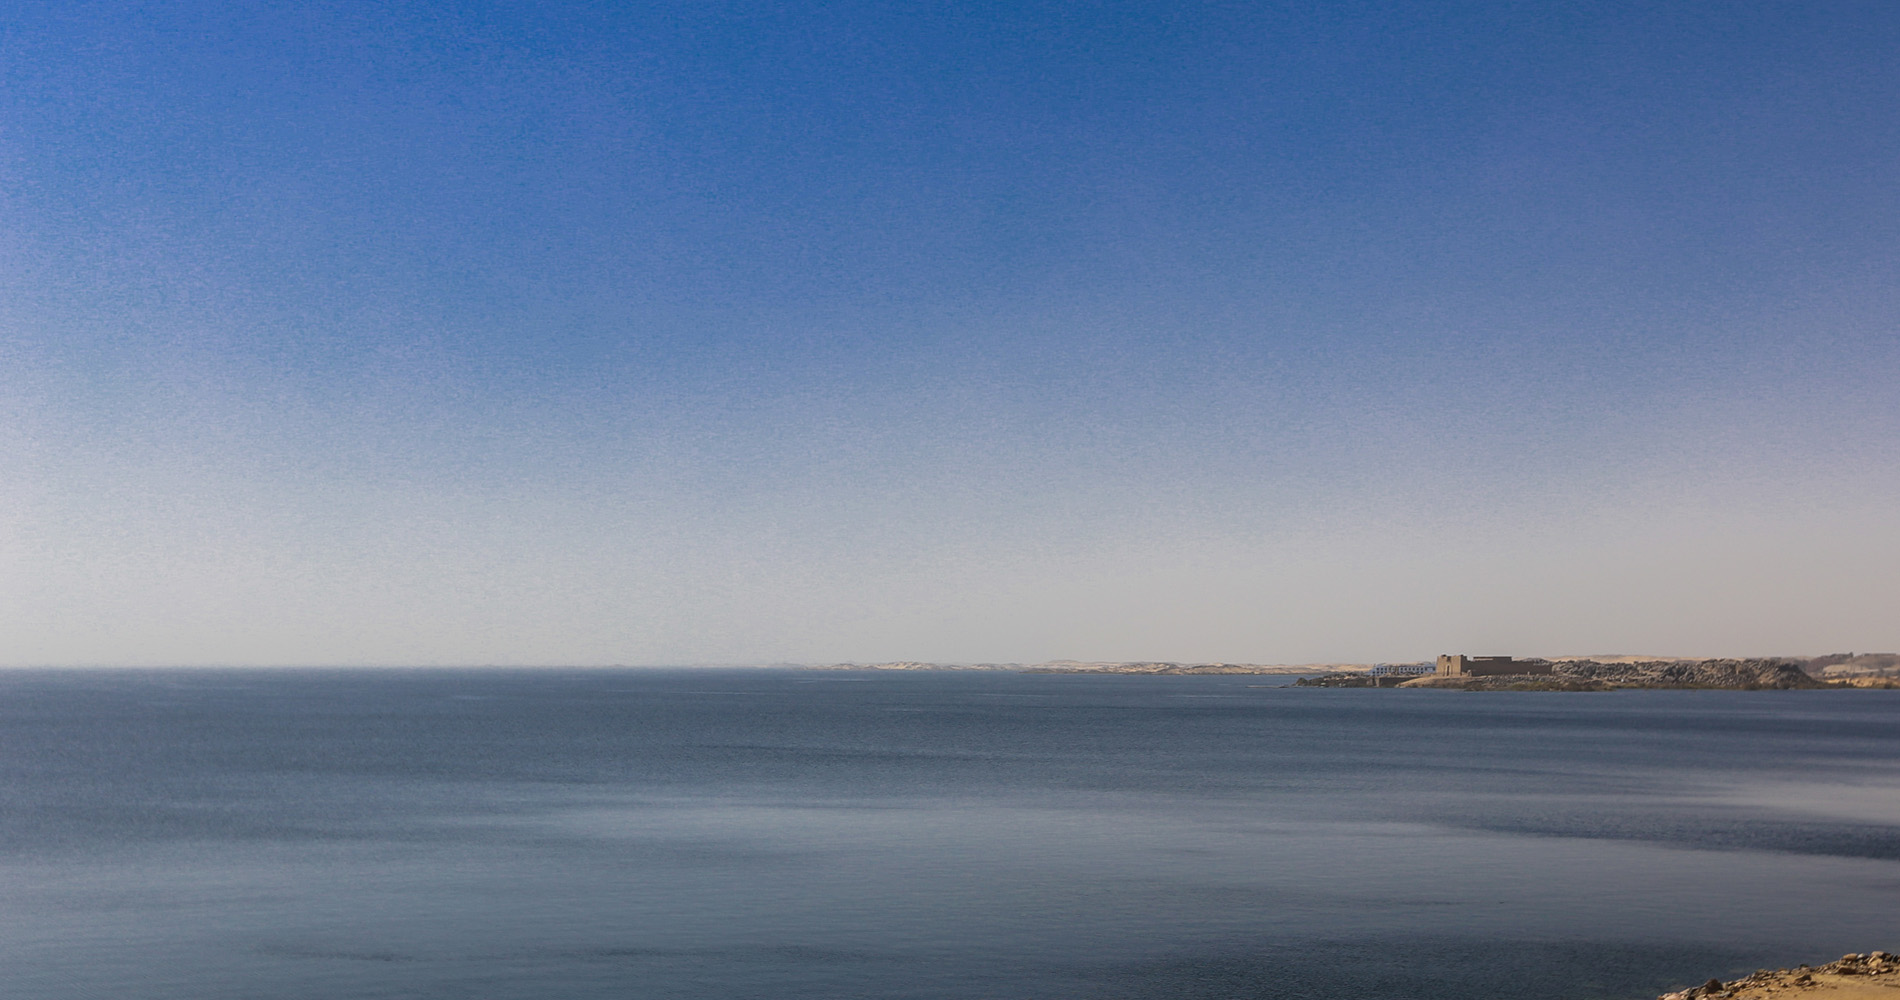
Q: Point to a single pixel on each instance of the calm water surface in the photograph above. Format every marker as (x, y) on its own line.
(786, 834)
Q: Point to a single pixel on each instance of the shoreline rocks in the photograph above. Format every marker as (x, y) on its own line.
(1852, 976)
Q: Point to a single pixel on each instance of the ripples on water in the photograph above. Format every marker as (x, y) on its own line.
(715, 834)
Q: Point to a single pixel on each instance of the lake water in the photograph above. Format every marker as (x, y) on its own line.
(802, 834)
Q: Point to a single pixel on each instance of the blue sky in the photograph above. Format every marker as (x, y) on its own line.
(573, 333)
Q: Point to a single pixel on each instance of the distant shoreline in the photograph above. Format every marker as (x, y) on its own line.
(1775, 674)
(1878, 670)
(1568, 673)
(1113, 667)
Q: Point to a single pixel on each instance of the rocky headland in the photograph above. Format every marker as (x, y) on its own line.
(1873, 976)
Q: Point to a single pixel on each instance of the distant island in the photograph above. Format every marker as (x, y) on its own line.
(1560, 673)
(1871, 670)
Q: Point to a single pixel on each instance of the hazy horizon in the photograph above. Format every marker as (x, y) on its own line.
(864, 664)
(573, 335)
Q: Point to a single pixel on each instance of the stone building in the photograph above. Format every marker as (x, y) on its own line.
(1460, 665)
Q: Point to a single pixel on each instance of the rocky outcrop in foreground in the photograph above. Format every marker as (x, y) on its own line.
(1855, 976)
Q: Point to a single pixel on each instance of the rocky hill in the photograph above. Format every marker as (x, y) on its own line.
(1746, 675)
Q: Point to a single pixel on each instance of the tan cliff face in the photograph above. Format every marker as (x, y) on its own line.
(1874, 976)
